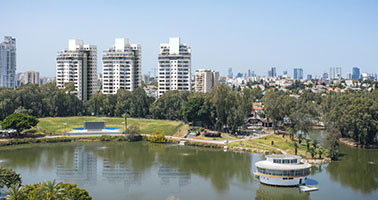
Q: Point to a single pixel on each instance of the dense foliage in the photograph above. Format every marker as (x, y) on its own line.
(353, 114)
(19, 121)
(49, 190)
(8, 177)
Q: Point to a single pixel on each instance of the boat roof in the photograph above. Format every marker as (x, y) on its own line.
(283, 156)
(275, 166)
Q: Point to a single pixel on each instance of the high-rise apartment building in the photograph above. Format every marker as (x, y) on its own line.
(335, 73)
(356, 73)
(8, 62)
(298, 73)
(309, 76)
(174, 66)
(121, 67)
(30, 77)
(230, 74)
(78, 65)
(205, 80)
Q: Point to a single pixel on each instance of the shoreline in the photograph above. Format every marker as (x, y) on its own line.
(350, 142)
(121, 138)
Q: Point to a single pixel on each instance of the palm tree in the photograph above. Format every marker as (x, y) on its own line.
(295, 148)
(14, 192)
(320, 151)
(300, 137)
(52, 190)
(308, 141)
(292, 131)
(312, 151)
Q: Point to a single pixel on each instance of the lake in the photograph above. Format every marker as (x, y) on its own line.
(142, 170)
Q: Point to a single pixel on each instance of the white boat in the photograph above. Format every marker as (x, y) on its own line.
(182, 143)
(282, 170)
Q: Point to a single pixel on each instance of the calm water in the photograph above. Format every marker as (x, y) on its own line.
(152, 171)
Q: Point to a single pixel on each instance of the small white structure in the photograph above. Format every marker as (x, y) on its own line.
(282, 170)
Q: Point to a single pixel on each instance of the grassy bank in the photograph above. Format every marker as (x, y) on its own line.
(55, 125)
(285, 144)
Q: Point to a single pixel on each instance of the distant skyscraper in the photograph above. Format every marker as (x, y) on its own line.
(230, 74)
(309, 76)
(298, 73)
(332, 73)
(174, 66)
(205, 80)
(249, 73)
(348, 76)
(121, 67)
(8, 62)
(356, 73)
(239, 75)
(338, 73)
(30, 77)
(285, 72)
(78, 65)
(274, 72)
(335, 73)
(325, 76)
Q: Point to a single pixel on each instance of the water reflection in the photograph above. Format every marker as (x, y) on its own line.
(266, 192)
(357, 169)
(167, 174)
(83, 171)
(119, 173)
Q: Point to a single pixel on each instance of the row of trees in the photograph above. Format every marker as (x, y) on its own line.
(49, 190)
(352, 114)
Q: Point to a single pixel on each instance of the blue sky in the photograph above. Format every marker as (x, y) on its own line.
(256, 35)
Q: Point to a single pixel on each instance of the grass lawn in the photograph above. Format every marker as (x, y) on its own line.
(255, 145)
(55, 125)
(286, 144)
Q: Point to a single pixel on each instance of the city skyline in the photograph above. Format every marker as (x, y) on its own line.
(261, 35)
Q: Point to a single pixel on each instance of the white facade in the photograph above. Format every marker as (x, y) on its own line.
(282, 170)
(121, 67)
(78, 65)
(174, 68)
(205, 80)
(8, 62)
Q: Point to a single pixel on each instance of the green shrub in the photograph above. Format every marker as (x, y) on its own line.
(133, 134)
(157, 137)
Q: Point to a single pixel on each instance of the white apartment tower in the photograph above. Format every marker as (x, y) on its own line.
(8, 62)
(78, 65)
(206, 79)
(174, 67)
(121, 67)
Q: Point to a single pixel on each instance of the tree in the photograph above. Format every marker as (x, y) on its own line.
(133, 133)
(275, 109)
(9, 177)
(52, 190)
(312, 151)
(168, 106)
(14, 192)
(19, 121)
(75, 193)
(295, 147)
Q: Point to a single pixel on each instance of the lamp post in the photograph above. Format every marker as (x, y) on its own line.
(65, 128)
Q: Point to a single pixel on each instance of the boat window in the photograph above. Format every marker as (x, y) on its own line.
(276, 161)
